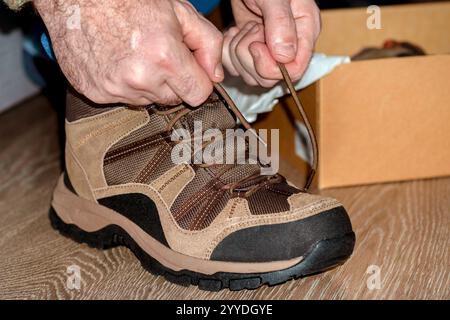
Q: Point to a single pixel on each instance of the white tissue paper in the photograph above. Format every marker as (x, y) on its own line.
(252, 101)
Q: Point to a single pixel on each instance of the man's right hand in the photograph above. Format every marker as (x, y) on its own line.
(136, 52)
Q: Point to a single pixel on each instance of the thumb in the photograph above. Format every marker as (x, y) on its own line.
(203, 38)
(280, 30)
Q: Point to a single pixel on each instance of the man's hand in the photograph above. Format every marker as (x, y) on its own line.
(268, 32)
(136, 52)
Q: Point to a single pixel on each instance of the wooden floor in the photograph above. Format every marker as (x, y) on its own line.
(402, 228)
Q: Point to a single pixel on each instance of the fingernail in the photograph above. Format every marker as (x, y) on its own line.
(218, 72)
(285, 49)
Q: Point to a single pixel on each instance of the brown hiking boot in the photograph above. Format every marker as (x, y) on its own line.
(215, 226)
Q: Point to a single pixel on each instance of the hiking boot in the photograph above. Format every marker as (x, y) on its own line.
(215, 226)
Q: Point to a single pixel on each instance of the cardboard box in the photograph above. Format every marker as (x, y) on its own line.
(377, 120)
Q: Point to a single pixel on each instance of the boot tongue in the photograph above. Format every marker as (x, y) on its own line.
(215, 114)
(211, 114)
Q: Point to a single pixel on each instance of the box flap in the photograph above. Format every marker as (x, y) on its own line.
(345, 31)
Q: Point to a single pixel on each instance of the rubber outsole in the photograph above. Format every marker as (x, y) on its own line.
(322, 256)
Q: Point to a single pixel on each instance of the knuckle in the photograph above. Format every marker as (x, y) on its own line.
(163, 58)
(135, 74)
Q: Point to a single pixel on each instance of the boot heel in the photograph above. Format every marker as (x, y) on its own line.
(102, 239)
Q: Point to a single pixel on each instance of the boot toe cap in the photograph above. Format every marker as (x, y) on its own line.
(284, 241)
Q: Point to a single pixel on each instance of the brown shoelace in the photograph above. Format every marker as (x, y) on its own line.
(257, 180)
(301, 110)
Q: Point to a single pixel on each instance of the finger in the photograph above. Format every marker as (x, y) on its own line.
(187, 78)
(226, 58)
(280, 30)
(265, 65)
(163, 95)
(203, 38)
(307, 10)
(307, 36)
(247, 77)
(256, 34)
(268, 68)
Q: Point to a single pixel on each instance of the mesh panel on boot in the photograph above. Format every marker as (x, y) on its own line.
(239, 172)
(157, 165)
(78, 107)
(126, 169)
(126, 159)
(155, 125)
(271, 199)
(205, 210)
(201, 179)
(200, 201)
(211, 115)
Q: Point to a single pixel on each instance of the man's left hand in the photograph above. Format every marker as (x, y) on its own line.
(268, 32)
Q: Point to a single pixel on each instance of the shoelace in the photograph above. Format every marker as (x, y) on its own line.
(301, 110)
(254, 181)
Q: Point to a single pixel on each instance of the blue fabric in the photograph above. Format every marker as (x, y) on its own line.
(47, 46)
(203, 6)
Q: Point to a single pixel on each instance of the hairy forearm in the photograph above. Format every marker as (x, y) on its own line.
(132, 51)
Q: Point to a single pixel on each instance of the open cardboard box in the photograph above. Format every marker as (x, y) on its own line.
(377, 120)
